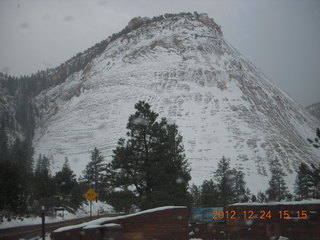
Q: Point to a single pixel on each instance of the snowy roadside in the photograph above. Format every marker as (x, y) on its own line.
(83, 211)
(47, 237)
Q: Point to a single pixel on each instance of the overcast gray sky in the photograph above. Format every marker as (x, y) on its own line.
(281, 37)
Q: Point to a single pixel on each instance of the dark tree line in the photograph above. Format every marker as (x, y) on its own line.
(227, 186)
(16, 168)
(25, 187)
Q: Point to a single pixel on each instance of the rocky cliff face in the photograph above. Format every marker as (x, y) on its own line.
(188, 72)
(8, 109)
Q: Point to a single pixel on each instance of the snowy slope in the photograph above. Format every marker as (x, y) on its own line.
(314, 110)
(182, 65)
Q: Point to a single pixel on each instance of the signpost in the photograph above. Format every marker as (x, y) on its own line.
(43, 223)
(90, 195)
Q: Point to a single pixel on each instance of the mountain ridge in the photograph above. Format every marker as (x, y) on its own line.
(183, 66)
(17, 91)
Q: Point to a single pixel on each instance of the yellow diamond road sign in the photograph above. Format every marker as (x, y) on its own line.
(90, 194)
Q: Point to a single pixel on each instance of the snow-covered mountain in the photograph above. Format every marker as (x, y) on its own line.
(314, 110)
(183, 66)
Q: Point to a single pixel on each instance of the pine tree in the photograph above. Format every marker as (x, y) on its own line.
(65, 180)
(303, 182)
(16, 188)
(4, 149)
(169, 168)
(43, 164)
(76, 197)
(43, 184)
(253, 198)
(151, 163)
(209, 194)
(224, 178)
(307, 184)
(11, 187)
(22, 153)
(241, 193)
(195, 192)
(67, 188)
(315, 181)
(121, 201)
(261, 197)
(277, 190)
(94, 172)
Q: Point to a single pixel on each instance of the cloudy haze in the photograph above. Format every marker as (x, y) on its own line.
(281, 37)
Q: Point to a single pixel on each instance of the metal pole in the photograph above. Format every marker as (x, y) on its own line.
(43, 223)
(90, 210)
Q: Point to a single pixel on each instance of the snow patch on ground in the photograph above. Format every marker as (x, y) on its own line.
(47, 237)
(302, 202)
(98, 208)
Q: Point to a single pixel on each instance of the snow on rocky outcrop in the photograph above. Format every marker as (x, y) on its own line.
(188, 72)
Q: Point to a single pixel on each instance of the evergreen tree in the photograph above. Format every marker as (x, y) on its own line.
(151, 163)
(195, 192)
(94, 172)
(67, 189)
(4, 149)
(169, 168)
(241, 193)
(228, 187)
(224, 178)
(121, 201)
(303, 182)
(22, 153)
(277, 190)
(261, 197)
(76, 197)
(43, 164)
(209, 194)
(315, 181)
(12, 198)
(253, 198)
(307, 184)
(65, 180)
(16, 174)
(43, 184)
